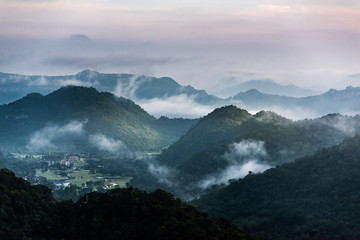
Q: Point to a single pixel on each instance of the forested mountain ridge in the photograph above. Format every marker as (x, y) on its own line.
(132, 86)
(231, 137)
(30, 212)
(76, 113)
(315, 197)
(215, 127)
(147, 90)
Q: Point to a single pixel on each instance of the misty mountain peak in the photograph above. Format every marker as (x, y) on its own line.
(86, 74)
(269, 116)
(229, 111)
(34, 96)
(347, 93)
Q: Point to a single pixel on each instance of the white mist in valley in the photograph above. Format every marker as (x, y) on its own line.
(182, 106)
(108, 144)
(44, 138)
(161, 173)
(243, 157)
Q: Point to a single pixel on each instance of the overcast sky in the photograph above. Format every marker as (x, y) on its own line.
(204, 43)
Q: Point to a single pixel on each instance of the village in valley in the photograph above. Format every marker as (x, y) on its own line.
(61, 170)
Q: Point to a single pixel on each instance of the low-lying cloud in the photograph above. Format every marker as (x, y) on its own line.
(162, 173)
(108, 144)
(176, 106)
(128, 90)
(243, 157)
(45, 137)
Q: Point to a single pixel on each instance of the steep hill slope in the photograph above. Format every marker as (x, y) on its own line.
(229, 141)
(216, 127)
(316, 197)
(230, 124)
(71, 116)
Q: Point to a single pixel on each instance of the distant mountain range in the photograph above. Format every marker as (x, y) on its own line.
(266, 86)
(345, 101)
(164, 96)
(135, 87)
(316, 197)
(82, 118)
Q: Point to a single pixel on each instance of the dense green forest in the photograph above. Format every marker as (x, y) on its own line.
(201, 153)
(316, 197)
(69, 116)
(30, 212)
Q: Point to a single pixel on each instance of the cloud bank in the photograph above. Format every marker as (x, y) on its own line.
(182, 106)
(108, 144)
(44, 138)
(243, 157)
(197, 42)
(162, 173)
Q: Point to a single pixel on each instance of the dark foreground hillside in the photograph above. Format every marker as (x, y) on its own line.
(30, 212)
(315, 197)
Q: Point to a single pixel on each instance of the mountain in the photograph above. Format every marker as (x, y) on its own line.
(164, 96)
(315, 197)
(82, 118)
(229, 142)
(266, 86)
(134, 87)
(30, 212)
(345, 101)
(216, 127)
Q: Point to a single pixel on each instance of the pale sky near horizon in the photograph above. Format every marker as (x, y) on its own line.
(209, 44)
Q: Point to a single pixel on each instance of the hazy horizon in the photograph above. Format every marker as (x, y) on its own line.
(312, 44)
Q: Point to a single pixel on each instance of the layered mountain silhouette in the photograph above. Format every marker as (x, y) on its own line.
(135, 87)
(253, 95)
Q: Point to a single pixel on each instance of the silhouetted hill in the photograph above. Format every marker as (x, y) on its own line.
(315, 197)
(29, 212)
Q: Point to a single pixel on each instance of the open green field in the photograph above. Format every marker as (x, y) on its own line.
(84, 176)
(79, 164)
(50, 175)
(121, 182)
